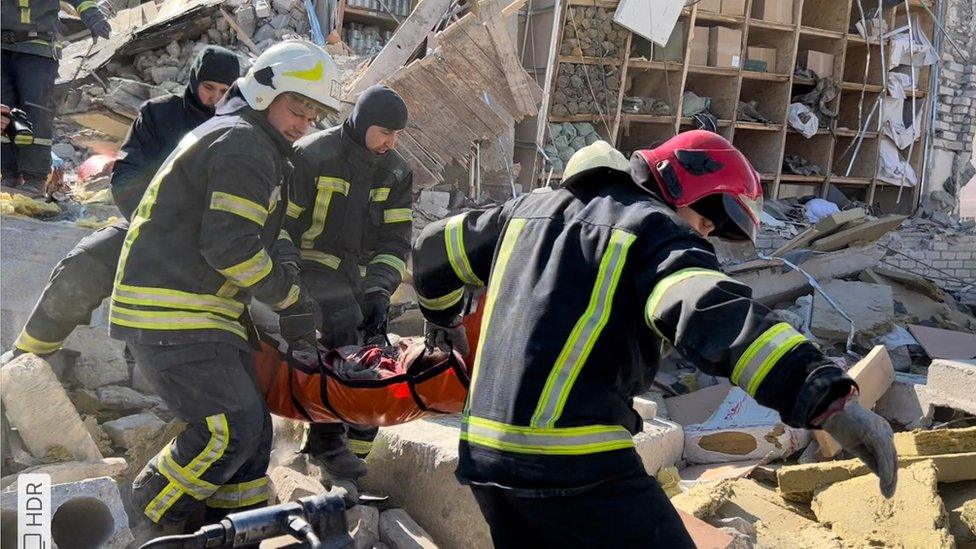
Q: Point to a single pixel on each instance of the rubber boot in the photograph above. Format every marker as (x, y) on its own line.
(326, 447)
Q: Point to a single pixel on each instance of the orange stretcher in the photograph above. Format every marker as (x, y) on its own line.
(405, 383)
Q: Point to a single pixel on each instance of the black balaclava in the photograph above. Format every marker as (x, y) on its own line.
(215, 64)
(377, 106)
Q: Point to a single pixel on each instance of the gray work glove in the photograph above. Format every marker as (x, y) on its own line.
(96, 23)
(446, 336)
(869, 437)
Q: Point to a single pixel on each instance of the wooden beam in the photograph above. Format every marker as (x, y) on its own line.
(402, 45)
(241, 35)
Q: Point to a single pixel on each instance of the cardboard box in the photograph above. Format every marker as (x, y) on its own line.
(714, 6)
(817, 61)
(733, 7)
(724, 47)
(674, 50)
(699, 46)
(764, 56)
(774, 11)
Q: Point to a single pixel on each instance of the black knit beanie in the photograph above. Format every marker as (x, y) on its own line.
(215, 64)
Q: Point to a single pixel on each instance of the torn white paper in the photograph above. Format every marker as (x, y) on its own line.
(892, 168)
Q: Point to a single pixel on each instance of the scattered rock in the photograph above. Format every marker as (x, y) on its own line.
(101, 360)
(38, 407)
(163, 73)
(64, 150)
(364, 526)
(960, 502)
(114, 397)
(128, 431)
(72, 471)
(265, 32)
(914, 517)
(660, 444)
(400, 531)
(951, 382)
(99, 435)
(869, 305)
(290, 485)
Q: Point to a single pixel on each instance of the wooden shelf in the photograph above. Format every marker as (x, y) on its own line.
(767, 76)
(743, 125)
(369, 17)
(590, 60)
(721, 123)
(770, 25)
(858, 39)
(821, 131)
(712, 17)
(822, 33)
(856, 86)
(845, 132)
(594, 118)
(594, 3)
(840, 180)
(643, 64)
(647, 118)
(767, 177)
(809, 179)
(717, 71)
(804, 81)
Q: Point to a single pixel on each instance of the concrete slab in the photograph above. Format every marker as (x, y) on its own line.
(131, 431)
(31, 249)
(951, 382)
(414, 464)
(905, 401)
(399, 531)
(38, 407)
(364, 526)
(870, 306)
(83, 514)
(71, 471)
(101, 359)
(290, 485)
(861, 233)
(660, 444)
(914, 517)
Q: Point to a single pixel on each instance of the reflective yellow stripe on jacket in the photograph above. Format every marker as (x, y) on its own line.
(391, 260)
(549, 441)
(763, 354)
(252, 211)
(454, 241)
(327, 187)
(443, 302)
(397, 215)
(666, 284)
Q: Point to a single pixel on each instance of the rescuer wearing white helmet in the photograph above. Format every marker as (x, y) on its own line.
(203, 242)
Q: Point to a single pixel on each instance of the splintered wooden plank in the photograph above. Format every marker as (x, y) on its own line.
(518, 81)
(463, 53)
(403, 44)
(462, 89)
(440, 99)
(428, 116)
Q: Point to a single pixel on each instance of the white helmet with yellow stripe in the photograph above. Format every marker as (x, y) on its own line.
(294, 66)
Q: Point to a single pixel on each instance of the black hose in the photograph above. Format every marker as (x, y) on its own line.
(170, 541)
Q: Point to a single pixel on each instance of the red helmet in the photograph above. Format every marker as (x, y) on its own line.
(696, 164)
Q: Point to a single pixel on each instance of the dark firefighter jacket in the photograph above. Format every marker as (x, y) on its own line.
(31, 26)
(198, 245)
(350, 208)
(161, 123)
(585, 286)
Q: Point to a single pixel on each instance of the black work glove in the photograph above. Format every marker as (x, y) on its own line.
(376, 310)
(446, 336)
(298, 322)
(96, 23)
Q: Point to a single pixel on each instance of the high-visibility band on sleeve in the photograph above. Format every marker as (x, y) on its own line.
(86, 5)
(293, 210)
(249, 272)
(442, 302)
(243, 494)
(397, 215)
(290, 299)
(333, 184)
(243, 207)
(589, 439)
(322, 258)
(763, 354)
(23, 139)
(667, 284)
(25, 15)
(456, 255)
(30, 344)
(393, 261)
(379, 194)
(283, 235)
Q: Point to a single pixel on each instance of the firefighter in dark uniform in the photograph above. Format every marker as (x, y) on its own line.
(84, 277)
(585, 287)
(197, 251)
(351, 220)
(30, 51)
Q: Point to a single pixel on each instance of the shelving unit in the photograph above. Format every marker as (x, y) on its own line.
(821, 25)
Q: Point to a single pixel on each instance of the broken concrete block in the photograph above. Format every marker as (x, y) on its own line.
(960, 501)
(262, 8)
(283, 6)
(914, 517)
(799, 482)
(37, 406)
(88, 513)
(246, 19)
(290, 485)
(279, 21)
(645, 407)
(905, 402)
(163, 73)
(703, 500)
(936, 441)
(129, 431)
(858, 234)
(118, 398)
(101, 360)
(72, 471)
(660, 444)
(264, 32)
(364, 526)
(870, 306)
(99, 435)
(425, 452)
(951, 382)
(400, 531)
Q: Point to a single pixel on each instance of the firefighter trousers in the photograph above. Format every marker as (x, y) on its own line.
(28, 84)
(218, 464)
(78, 285)
(337, 297)
(628, 512)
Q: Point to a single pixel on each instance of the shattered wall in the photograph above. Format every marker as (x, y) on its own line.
(956, 103)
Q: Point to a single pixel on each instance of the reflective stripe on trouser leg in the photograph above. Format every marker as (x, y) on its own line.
(360, 439)
(35, 76)
(244, 494)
